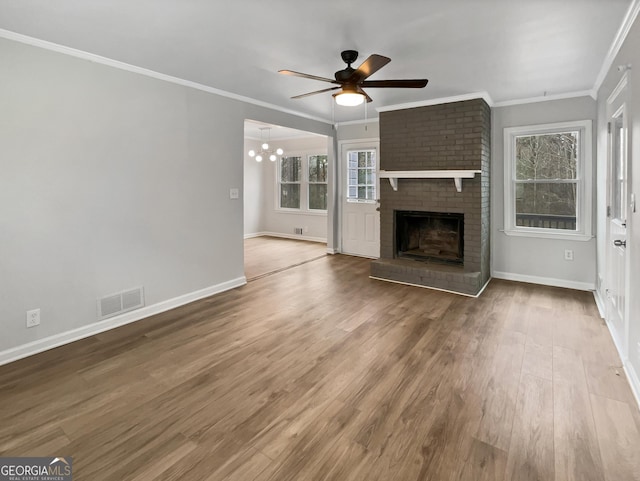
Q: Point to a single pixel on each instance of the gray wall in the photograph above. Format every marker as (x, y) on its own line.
(531, 258)
(629, 54)
(253, 190)
(112, 180)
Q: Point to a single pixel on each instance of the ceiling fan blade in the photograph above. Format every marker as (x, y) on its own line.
(370, 66)
(315, 92)
(306, 75)
(410, 84)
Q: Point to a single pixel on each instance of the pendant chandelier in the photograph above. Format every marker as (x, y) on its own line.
(266, 152)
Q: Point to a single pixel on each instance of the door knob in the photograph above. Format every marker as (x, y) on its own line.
(619, 243)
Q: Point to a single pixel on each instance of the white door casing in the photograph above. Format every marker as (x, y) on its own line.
(616, 225)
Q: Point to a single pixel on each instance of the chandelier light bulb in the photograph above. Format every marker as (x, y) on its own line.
(265, 152)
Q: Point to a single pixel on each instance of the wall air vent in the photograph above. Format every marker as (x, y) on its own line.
(120, 302)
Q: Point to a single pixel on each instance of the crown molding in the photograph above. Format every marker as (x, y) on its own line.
(54, 47)
(546, 98)
(623, 31)
(442, 100)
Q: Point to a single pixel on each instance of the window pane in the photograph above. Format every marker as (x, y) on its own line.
(318, 196)
(547, 156)
(546, 205)
(290, 196)
(361, 175)
(618, 210)
(290, 169)
(318, 168)
(371, 161)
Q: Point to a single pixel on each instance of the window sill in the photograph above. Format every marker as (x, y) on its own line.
(545, 234)
(321, 213)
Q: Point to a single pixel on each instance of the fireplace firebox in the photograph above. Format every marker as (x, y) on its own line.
(430, 236)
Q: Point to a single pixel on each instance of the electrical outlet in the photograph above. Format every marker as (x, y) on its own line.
(568, 255)
(33, 317)
(234, 193)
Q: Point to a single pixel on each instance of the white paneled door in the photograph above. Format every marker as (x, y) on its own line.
(359, 199)
(617, 220)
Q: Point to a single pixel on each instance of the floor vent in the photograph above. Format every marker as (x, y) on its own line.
(121, 302)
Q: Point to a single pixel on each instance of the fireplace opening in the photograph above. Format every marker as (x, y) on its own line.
(430, 236)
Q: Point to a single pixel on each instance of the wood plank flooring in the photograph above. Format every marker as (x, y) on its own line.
(320, 373)
(266, 255)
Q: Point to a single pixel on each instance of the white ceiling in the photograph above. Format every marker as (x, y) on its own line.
(511, 49)
(254, 130)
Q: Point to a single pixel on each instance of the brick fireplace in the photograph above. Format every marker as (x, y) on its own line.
(446, 232)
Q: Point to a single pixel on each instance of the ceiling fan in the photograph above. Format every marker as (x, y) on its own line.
(351, 81)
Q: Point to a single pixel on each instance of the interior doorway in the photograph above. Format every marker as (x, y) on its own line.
(286, 195)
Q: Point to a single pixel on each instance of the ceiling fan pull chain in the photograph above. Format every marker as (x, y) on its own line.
(366, 127)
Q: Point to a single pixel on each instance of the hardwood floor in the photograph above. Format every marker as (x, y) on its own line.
(320, 373)
(266, 255)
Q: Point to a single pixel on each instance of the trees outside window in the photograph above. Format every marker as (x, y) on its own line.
(548, 179)
(290, 182)
(302, 184)
(317, 182)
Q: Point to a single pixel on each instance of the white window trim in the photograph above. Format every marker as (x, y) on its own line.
(584, 208)
(304, 184)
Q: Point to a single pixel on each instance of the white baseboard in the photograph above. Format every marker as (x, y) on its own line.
(634, 381)
(288, 236)
(251, 236)
(67, 337)
(332, 250)
(599, 303)
(632, 375)
(545, 281)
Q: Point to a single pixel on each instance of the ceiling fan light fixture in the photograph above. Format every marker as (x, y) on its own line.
(349, 99)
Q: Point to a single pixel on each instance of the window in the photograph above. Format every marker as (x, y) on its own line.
(361, 176)
(317, 182)
(548, 180)
(290, 182)
(302, 183)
